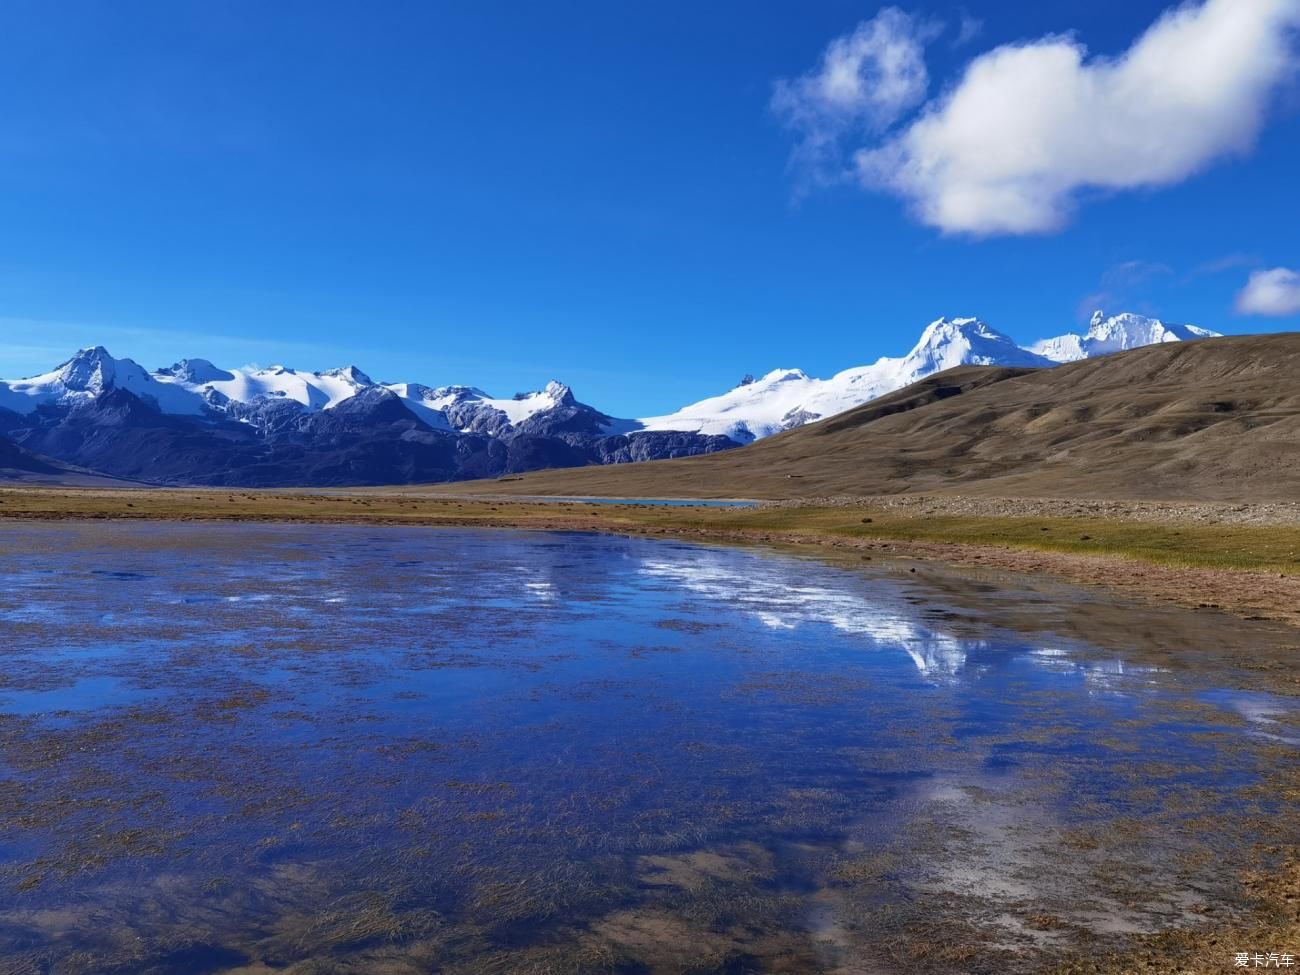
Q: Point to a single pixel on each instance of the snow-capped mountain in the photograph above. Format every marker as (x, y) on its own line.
(786, 398)
(196, 422)
(1115, 334)
(219, 387)
(468, 409)
(190, 387)
(195, 387)
(87, 375)
(778, 400)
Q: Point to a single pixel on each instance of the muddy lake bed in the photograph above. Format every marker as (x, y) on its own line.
(319, 749)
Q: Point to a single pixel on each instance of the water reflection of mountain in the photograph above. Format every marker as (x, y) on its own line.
(786, 595)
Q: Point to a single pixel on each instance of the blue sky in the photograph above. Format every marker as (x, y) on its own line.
(604, 193)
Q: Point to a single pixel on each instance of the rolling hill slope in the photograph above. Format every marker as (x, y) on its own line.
(1214, 419)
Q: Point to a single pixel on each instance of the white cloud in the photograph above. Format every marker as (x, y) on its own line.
(866, 80)
(1229, 262)
(1128, 273)
(1124, 285)
(1030, 126)
(968, 28)
(1275, 292)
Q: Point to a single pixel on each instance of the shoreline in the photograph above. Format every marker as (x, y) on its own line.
(916, 528)
(1251, 595)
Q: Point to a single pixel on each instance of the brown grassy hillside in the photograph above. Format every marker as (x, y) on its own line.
(1217, 419)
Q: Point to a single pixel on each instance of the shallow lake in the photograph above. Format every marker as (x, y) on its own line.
(338, 749)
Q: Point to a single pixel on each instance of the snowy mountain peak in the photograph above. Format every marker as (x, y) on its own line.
(561, 394)
(950, 342)
(1115, 333)
(91, 370)
(780, 376)
(1127, 330)
(788, 398)
(92, 353)
(195, 371)
(87, 375)
(197, 387)
(349, 374)
(948, 323)
(552, 394)
(460, 392)
(944, 331)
